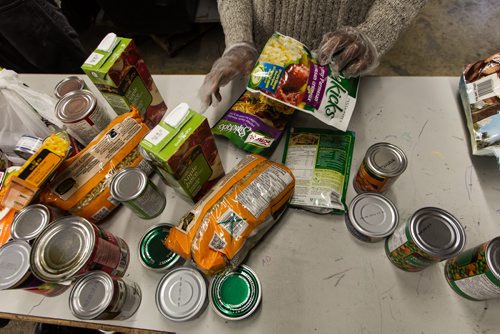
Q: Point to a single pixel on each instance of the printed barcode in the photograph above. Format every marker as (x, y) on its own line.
(483, 88)
(217, 243)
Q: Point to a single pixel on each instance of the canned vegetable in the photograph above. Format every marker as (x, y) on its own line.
(67, 85)
(26, 146)
(30, 221)
(153, 254)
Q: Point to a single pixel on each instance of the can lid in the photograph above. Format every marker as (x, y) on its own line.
(75, 105)
(91, 295)
(67, 85)
(62, 249)
(373, 215)
(128, 184)
(236, 294)
(153, 253)
(437, 232)
(14, 263)
(386, 159)
(29, 222)
(493, 256)
(181, 294)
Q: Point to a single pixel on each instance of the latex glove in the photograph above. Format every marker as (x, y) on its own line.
(238, 59)
(349, 51)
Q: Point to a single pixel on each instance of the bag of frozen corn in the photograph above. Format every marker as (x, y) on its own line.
(286, 71)
(220, 230)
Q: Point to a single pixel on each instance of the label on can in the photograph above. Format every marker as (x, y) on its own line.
(366, 181)
(470, 276)
(27, 146)
(90, 126)
(150, 203)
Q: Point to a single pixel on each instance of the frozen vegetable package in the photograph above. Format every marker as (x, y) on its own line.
(286, 71)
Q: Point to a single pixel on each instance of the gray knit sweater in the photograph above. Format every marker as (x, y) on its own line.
(307, 20)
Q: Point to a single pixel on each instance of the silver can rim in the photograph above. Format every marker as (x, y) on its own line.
(24, 269)
(62, 103)
(64, 81)
(74, 295)
(46, 216)
(118, 177)
(493, 256)
(403, 159)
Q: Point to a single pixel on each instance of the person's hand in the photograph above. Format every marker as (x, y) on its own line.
(350, 52)
(238, 59)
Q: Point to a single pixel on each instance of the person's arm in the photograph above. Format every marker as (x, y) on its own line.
(387, 19)
(236, 19)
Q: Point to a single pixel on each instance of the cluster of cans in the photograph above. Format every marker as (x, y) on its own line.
(429, 236)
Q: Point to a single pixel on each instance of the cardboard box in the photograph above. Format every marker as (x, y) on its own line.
(183, 146)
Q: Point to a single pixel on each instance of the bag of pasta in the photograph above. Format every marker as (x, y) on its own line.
(226, 223)
(81, 185)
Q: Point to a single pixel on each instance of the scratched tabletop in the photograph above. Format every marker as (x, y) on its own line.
(315, 276)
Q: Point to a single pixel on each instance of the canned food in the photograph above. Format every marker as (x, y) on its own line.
(153, 254)
(30, 221)
(27, 146)
(82, 114)
(382, 165)
(132, 187)
(99, 296)
(371, 217)
(181, 294)
(235, 295)
(475, 273)
(72, 246)
(15, 271)
(67, 85)
(430, 236)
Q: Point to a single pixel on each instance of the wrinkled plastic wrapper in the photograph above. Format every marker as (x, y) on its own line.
(219, 231)
(287, 72)
(81, 185)
(321, 163)
(480, 93)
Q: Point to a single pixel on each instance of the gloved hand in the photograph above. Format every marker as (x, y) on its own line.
(238, 59)
(349, 51)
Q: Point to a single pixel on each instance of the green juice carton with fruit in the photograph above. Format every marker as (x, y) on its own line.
(183, 149)
(119, 72)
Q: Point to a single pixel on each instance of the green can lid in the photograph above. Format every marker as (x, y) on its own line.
(153, 253)
(236, 294)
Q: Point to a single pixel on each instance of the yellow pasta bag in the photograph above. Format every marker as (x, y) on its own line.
(82, 183)
(226, 223)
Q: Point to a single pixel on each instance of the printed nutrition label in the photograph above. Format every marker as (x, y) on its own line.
(478, 287)
(301, 160)
(397, 239)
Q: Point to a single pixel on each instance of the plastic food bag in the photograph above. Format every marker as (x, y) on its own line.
(321, 163)
(226, 223)
(82, 183)
(480, 92)
(254, 123)
(287, 72)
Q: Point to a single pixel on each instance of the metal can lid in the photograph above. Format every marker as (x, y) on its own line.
(493, 256)
(236, 294)
(128, 184)
(91, 295)
(75, 105)
(29, 222)
(67, 85)
(14, 263)
(62, 249)
(181, 294)
(437, 232)
(386, 159)
(373, 215)
(152, 252)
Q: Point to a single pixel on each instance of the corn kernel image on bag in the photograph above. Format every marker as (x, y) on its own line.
(220, 230)
(81, 185)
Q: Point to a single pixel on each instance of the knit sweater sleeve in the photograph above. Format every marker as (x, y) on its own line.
(236, 19)
(387, 19)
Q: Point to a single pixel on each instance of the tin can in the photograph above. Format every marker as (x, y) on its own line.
(72, 246)
(475, 273)
(382, 165)
(82, 114)
(26, 146)
(30, 221)
(15, 271)
(236, 294)
(132, 187)
(371, 217)
(67, 85)
(97, 295)
(430, 236)
(152, 252)
(181, 294)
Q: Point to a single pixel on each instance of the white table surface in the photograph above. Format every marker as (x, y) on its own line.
(315, 276)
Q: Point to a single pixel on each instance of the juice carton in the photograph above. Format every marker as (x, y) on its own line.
(120, 74)
(184, 149)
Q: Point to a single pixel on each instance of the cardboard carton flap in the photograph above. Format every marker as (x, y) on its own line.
(177, 117)
(108, 42)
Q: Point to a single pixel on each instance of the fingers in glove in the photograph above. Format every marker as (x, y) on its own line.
(349, 55)
(333, 43)
(357, 67)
